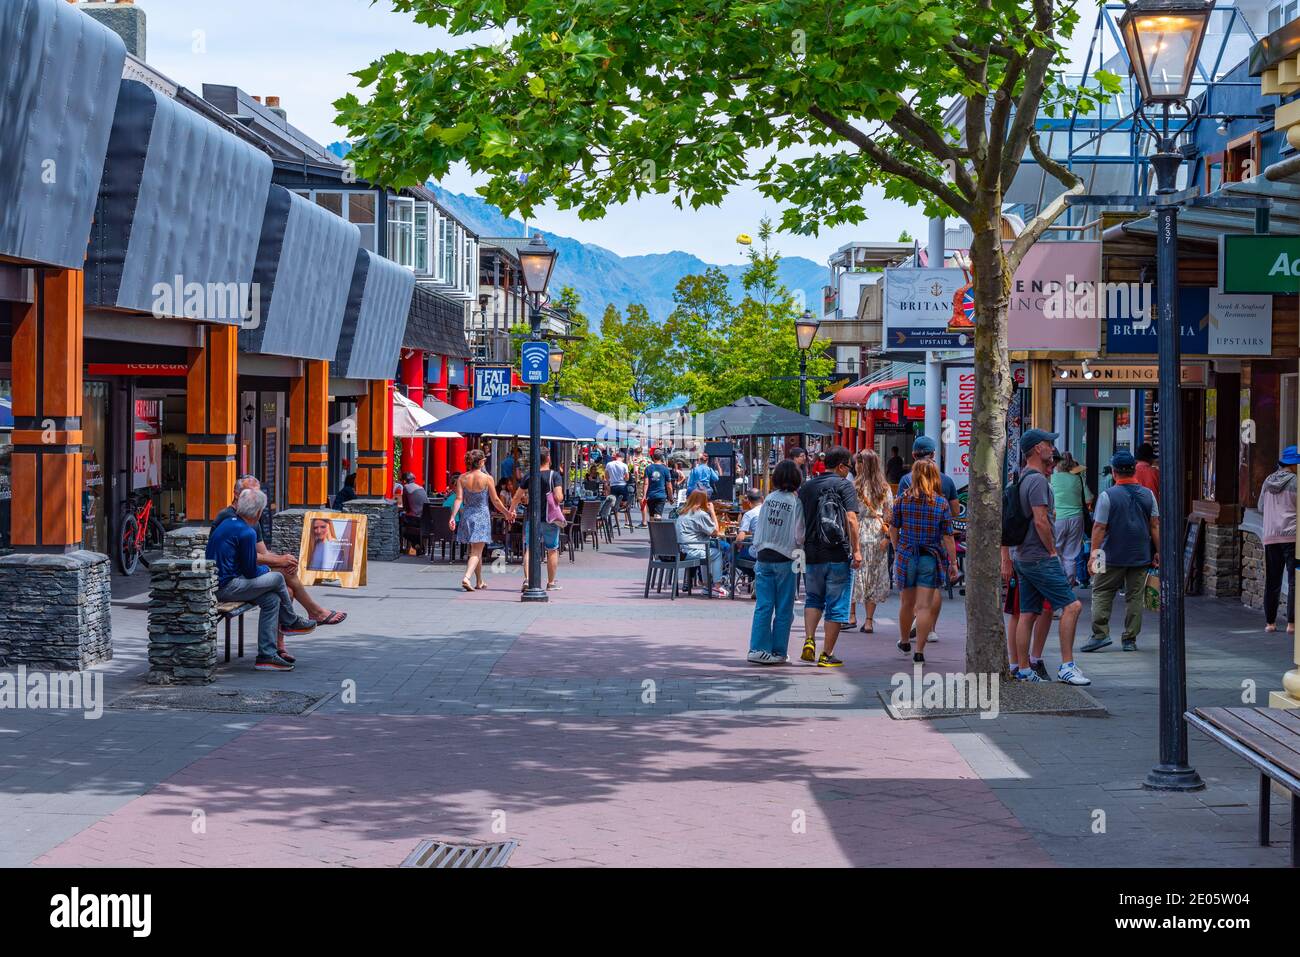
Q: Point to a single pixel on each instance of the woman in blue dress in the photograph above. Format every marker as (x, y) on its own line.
(471, 518)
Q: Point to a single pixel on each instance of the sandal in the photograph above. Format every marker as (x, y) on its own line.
(333, 618)
(464, 584)
(482, 585)
(868, 627)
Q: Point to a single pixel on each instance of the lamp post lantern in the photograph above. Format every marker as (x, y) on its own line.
(536, 260)
(557, 361)
(805, 331)
(1163, 39)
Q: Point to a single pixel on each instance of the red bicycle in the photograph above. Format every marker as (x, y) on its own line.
(140, 540)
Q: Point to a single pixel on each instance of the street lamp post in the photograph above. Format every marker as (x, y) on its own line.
(536, 261)
(805, 331)
(556, 360)
(1163, 39)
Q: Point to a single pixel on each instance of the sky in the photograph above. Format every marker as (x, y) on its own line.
(304, 50)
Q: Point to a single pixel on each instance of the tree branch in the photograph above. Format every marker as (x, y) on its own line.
(1040, 223)
(1031, 94)
(892, 164)
(932, 141)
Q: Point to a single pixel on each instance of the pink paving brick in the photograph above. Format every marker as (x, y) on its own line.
(361, 791)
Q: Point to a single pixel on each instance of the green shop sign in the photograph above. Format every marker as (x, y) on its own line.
(1259, 264)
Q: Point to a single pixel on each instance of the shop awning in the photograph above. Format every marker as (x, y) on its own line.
(179, 214)
(378, 306)
(305, 263)
(754, 415)
(436, 325)
(59, 74)
(870, 397)
(1280, 183)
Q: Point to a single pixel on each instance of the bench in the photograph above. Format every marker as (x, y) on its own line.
(1269, 740)
(229, 610)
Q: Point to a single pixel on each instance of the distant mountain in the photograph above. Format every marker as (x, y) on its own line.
(601, 276)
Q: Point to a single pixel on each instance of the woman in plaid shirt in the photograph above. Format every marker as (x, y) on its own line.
(921, 532)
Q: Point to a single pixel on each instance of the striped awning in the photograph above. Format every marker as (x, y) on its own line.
(59, 73)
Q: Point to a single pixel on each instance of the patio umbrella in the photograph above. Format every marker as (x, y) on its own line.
(440, 410)
(6, 413)
(610, 428)
(507, 417)
(409, 419)
(754, 416)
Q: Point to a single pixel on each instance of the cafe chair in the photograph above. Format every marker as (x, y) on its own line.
(666, 559)
(440, 533)
(590, 522)
(739, 564)
(607, 518)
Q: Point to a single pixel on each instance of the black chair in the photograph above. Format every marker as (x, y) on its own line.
(666, 559)
(440, 532)
(589, 522)
(606, 515)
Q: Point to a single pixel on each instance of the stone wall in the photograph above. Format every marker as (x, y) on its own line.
(1221, 571)
(286, 531)
(383, 537)
(187, 542)
(1252, 571)
(182, 622)
(55, 610)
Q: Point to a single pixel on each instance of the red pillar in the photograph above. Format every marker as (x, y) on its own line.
(413, 379)
(459, 397)
(440, 463)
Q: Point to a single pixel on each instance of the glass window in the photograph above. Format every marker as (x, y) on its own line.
(330, 200)
(401, 231)
(448, 240)
(361, 208)
(423, 213)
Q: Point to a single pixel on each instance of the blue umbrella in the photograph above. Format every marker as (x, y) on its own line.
(507, 417)
(6, 413)
(582, 426)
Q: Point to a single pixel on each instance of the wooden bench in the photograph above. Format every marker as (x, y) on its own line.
(228, 610)
(1269, 740)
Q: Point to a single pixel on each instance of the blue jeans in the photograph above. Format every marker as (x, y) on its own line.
(828, 588)
(271, 595)
(713, 555)
(774, 586)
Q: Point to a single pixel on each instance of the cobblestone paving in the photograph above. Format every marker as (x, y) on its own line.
(605, 728)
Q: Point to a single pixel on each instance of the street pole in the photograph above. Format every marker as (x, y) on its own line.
(535, 591)
(1173, 773)
(803, 381)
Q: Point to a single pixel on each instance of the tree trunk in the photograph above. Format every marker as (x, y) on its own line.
(986, 646)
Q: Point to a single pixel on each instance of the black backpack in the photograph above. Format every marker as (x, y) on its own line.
(830, 521)
(1015, 523)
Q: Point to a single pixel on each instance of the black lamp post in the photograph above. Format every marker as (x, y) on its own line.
(805, 331)
(1163, 39)
(536, 260)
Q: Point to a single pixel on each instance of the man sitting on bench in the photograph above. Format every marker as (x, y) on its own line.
(286, 565)
(233, 547)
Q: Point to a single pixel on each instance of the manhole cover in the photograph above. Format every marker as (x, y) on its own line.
(219, 699)
(434, 853)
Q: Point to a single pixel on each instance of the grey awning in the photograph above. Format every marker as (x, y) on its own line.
(379, 304)
(436, 325)
(59, 72)
(304, 269)
(1207, 223)
(179, 213)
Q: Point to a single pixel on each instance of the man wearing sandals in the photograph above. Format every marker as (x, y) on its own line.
(286, 565)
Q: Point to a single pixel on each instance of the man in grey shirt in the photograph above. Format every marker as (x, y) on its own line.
(414, 498)
(1039, 571)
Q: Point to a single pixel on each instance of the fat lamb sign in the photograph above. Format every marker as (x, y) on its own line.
(1260, 264)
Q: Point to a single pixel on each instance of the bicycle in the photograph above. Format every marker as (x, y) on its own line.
(140, 539)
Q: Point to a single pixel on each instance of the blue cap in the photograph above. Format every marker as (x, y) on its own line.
(1033, 437)
(1290, 456)
(924, 445)
(1123, 460)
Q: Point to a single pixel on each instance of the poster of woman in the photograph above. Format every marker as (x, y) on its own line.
(333, 548)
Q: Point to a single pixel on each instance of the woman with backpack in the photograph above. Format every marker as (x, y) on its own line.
(925, 553)
(876, 504)
(778, 534)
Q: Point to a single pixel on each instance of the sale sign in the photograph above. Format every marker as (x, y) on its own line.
(957, 423)
(146, 465)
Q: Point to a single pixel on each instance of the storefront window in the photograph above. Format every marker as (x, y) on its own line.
(95, 466)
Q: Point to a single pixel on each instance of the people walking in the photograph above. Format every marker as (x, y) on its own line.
(697, 533)
(703, 477)
(471, 520)
(1277, 500)
(778, 535)
(1125, 544)
(876, 503)
(1039, 574)
(1073, 504)
(925, 449)
(894, 468)
(1147, 473)
(659, 485)
(552, 485)
(832, 553)
(925, 555)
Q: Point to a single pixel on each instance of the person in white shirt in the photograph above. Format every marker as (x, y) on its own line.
(747, 522)
(778, 541)
(616, 473)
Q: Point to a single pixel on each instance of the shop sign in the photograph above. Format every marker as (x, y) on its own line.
(960, 406)
(1259, 264)
(1240, 324)
(1212, 323)
(916, 388)
(146, 461)
(491, 382)
(137, 368)
(1070, 375)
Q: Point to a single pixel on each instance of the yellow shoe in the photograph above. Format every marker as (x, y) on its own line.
(809, 651)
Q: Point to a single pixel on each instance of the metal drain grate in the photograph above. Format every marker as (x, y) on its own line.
(432, 853)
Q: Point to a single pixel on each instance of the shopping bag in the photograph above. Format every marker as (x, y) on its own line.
(1152, 596)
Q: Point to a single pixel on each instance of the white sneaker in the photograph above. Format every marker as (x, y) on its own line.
(759, 658)
(1071, 675)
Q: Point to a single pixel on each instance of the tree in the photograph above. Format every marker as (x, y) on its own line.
(643, 344)
(601, 101)
(594, 371)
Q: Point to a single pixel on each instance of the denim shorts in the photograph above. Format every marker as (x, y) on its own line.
(550, 536)
(828, 588)
(922, 572)
(1043, 579)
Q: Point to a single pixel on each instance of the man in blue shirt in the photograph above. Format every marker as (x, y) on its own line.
(702, 476)
(232, 546)
(658, 484)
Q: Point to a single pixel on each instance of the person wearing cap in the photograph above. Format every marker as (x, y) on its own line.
(1277, 500)
(1125, 543)
(924, 448)
(1039, 572)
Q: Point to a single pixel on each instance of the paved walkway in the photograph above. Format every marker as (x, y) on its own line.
(607, 729)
